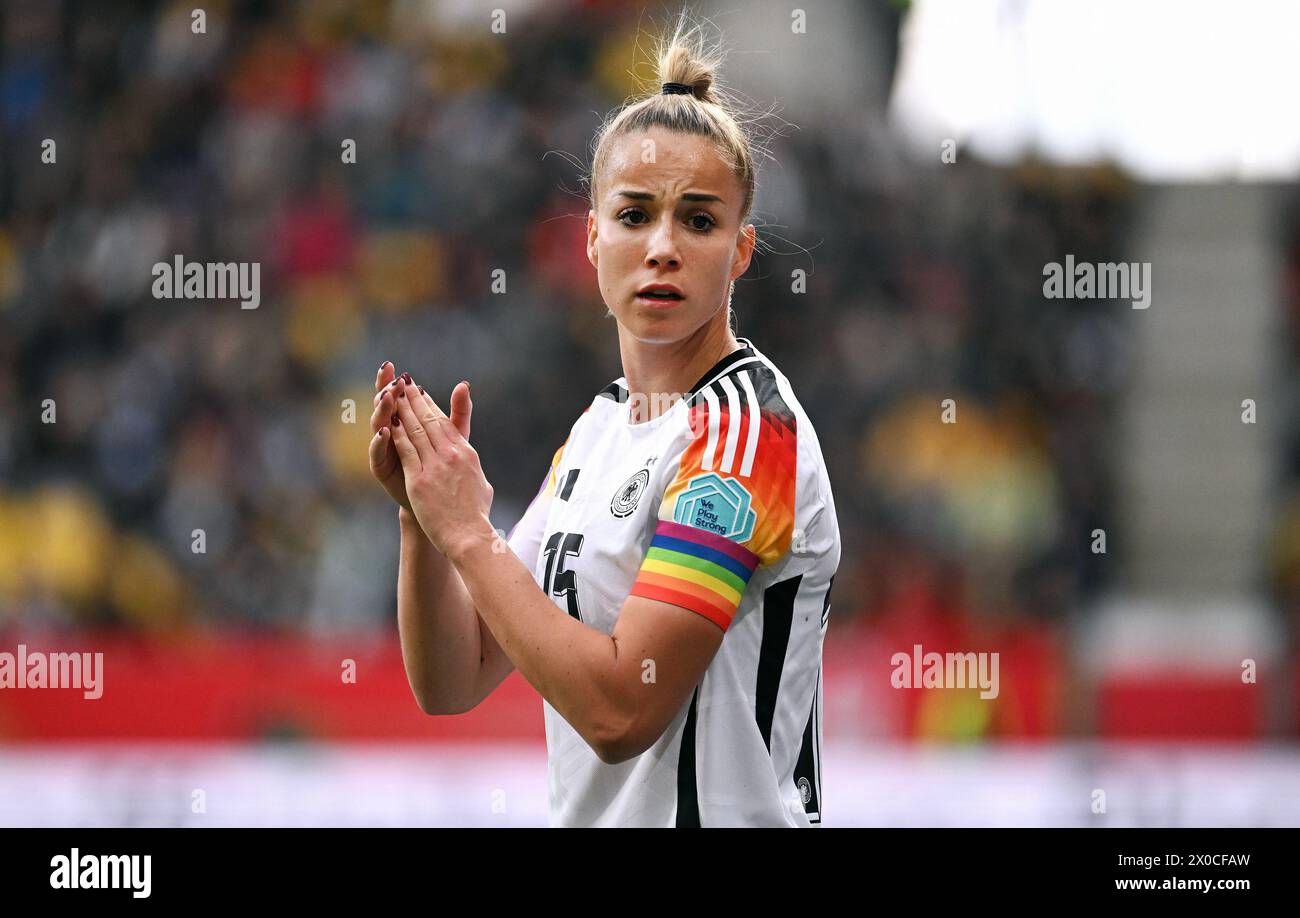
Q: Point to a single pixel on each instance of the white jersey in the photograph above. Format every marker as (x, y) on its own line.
(722, 506)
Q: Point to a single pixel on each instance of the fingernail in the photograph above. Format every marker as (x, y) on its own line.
(406, 377)
(421, 388)
(396, 421)
(466, 382)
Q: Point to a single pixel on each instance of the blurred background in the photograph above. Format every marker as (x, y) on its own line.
(1108, 514)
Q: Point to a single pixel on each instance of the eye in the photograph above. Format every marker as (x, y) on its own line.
(694, 219)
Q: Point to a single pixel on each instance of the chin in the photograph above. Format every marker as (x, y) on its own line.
(656, 328)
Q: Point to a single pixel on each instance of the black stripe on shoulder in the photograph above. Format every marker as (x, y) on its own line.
(735, 357)
(614, 392)
(773, 407)
(768, 393)
(699, 398)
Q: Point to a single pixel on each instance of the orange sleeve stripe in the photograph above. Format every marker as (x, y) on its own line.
(719, 617)
(771, 482)
(704, 594)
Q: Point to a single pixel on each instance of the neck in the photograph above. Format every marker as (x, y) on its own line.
(659, 374)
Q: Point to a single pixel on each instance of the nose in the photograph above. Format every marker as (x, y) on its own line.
(662, 249)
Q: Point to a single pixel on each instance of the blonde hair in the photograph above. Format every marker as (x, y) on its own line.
(709, 110)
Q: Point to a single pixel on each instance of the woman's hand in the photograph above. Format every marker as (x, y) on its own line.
(384, 464)
(449, 495)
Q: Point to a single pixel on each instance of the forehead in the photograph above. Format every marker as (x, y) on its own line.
(679, 161)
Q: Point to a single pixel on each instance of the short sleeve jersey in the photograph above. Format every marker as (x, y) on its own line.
(720, 505)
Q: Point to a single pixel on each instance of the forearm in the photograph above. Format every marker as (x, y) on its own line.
(573, 666)
(437, 623)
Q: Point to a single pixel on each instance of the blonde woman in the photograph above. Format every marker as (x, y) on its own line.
(666, 591)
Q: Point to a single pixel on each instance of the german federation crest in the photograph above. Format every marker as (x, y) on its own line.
(629, 494)
(717, 505)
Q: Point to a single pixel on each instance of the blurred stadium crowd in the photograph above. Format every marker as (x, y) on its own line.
(924, 283)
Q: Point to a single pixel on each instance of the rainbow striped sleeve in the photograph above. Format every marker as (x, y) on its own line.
(730, 506)
(696, 570)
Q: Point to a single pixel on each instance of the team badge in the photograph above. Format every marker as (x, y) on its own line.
(718, 505)
(629, 494)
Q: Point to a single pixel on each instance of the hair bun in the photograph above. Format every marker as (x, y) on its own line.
(688, 60)
(688, 66)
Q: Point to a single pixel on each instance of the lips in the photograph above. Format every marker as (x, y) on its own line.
(660, 294)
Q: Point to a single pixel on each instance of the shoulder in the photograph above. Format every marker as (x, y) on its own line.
(744, 421)
(738, 476)
(615, 392)
(602, 408)
(580, 428)
(602, 405)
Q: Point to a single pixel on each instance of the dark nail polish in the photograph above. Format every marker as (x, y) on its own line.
(406, 378)
(421, 388)
(396, 421)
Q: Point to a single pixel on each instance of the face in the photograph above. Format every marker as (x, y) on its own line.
(674, 221)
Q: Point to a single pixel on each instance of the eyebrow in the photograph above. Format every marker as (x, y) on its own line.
(647, 196)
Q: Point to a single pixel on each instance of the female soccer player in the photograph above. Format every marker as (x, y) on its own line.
(666, 591)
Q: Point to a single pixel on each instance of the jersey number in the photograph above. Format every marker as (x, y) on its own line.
(559, 546)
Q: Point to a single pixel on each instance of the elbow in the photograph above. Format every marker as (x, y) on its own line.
(428, 704)
(444, 710)
(434, 706)
(617, 739)
(612, 753)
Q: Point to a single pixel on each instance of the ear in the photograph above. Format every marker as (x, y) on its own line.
(745, 241)
(592, 252)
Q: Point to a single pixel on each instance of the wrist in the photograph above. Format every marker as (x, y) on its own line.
(406, 519)
(479, 537)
